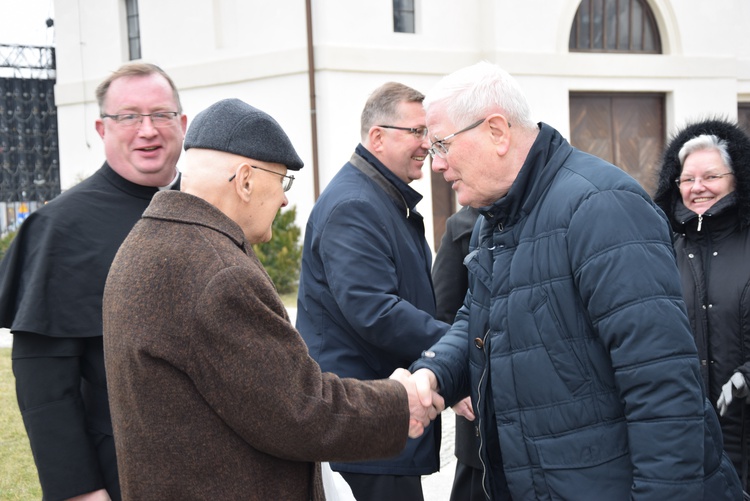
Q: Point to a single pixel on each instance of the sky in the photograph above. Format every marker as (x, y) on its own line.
(23, 22)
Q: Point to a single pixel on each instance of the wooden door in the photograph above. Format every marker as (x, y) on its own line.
(443, 204)
(626, 129)
(743, 116)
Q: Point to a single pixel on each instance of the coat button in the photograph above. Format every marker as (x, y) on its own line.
(703, 362)
(428, 354)
(716, 253)
(691, 256)
(479, 343)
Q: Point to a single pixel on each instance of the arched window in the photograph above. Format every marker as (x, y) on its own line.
(615, 26)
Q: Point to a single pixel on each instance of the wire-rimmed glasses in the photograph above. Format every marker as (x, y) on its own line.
(708, 180)
(440, 149)
(286, 183)
(418, 132)
(158, 119)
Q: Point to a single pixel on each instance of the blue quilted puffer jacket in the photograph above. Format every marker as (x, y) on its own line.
(581, 364)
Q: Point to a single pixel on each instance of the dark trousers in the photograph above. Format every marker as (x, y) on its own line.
(384, 487)
(467, 484)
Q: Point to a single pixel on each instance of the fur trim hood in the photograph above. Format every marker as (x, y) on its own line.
(667, 192)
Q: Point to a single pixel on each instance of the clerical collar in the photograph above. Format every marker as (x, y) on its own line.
(172, 183)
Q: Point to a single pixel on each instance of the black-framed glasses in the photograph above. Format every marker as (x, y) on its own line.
(286, 182)
(158, 119)
(708, 180)
(418, 132)
(440, 149)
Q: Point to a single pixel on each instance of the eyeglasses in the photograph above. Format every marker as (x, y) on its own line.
(708, 180)
(418, 132)
(158, 119)
(440, 149)
(286, 183)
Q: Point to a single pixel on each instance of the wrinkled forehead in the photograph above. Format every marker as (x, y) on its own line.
(439, 124)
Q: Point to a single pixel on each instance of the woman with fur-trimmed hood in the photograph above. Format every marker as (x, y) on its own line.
(704, 188)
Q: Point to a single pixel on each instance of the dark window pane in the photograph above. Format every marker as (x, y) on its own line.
(403, 16)
(134, 31)
(648, 41)
(623, 26)
(598, 19)
(636, 36)
(573, 40)
(584, 33)
(135, 49)
(610, 24)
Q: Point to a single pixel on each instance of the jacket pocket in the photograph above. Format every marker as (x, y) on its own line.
(596, 457)
(560, 349)
(583, 448)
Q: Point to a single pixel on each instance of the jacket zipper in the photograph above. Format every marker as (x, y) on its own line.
(479, 423)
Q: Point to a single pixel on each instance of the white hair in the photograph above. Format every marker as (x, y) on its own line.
(478, 90)
(706, 142)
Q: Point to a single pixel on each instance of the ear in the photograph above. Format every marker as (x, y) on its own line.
(99, 127)
(183, 123)
(500, 132)
(376, 138)
(243, 181)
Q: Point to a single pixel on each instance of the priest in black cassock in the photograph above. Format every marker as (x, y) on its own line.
(52, 281)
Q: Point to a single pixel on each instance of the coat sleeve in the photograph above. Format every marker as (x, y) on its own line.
(365, 272)
(628, 281)
(252, 367)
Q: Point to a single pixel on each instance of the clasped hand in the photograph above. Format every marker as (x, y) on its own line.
(424, 402)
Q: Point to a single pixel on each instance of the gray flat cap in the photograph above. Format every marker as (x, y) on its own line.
(234, 126)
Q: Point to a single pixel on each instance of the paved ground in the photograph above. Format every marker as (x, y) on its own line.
(437, 487)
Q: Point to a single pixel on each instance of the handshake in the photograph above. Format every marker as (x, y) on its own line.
(424, 402)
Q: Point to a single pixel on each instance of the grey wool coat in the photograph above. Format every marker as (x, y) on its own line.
(212, 391)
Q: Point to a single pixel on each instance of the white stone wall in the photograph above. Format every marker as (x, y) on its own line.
(256, 51)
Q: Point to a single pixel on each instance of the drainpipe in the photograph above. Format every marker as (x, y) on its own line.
(313, 106)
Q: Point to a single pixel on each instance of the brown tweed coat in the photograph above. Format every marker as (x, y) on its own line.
(212, 392)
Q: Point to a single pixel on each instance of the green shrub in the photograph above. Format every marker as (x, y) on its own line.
(283, 254)
(5, 243)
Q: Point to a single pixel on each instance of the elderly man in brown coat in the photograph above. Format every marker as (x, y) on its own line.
(212, 392)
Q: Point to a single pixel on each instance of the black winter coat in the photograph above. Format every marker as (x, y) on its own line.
(715, 268)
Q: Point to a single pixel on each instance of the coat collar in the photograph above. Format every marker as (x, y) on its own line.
(411, 196)
(402, 195)
(721, 218)
(185, 208)
(546, 156)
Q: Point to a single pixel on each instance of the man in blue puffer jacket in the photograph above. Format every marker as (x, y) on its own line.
(573, 340)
